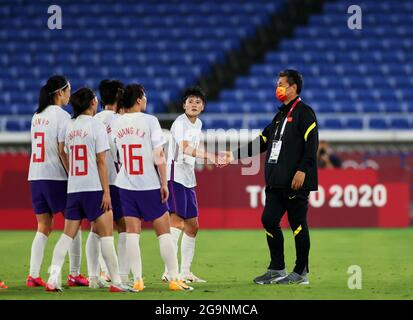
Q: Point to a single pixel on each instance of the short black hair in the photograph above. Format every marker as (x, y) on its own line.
(293, 77)
(126, 97)
(108, 90)
(196, 92)
(80, 100)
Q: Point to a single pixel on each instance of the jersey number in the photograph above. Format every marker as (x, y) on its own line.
(40, 145)
(78, 153)
(128, 153)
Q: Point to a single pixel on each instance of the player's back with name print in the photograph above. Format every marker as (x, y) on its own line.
(85, 137)
(46, 127)
(136, 135)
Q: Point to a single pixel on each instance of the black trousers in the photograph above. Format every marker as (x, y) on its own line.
(296, 204)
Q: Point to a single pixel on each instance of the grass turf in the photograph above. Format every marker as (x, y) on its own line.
(229, 260)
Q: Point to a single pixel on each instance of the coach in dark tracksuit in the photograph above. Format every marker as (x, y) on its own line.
(291, 142)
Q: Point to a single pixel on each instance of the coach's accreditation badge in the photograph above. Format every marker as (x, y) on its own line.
(275, 151)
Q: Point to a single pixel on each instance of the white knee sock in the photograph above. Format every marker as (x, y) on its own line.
(102, 264)
(36, 256)
(168, 254)
(92, 254)
(134, 255)
(124, 266)
(59, 254)
(187, 253)
(75, 254)
(111, 260)
(176, 233)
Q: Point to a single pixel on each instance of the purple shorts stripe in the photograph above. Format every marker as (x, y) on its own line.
(84, 205)
(116, 203)
(48, 196)
(182, 200)
(145, 204)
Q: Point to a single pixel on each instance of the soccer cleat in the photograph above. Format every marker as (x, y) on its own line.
(98, 283)
(78, 281)
(190, 277)
(294, 278)
(120, 288)
(35, 282)
(271, 276)
(138, 285)
(165, 277)
(52, 288)
(3, 285)
(105, 277)
(179, 285)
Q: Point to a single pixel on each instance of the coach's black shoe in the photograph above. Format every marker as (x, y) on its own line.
(294, 278)
(271, 276)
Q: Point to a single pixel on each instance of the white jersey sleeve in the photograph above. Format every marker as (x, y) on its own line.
(157, 136)
(101, 136)
(63, 119)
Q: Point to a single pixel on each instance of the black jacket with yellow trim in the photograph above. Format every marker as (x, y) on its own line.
(298, 151)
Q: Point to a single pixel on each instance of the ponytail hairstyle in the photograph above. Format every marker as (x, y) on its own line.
(108, 89)
(80, 101)
(48, 91)
(126, 98)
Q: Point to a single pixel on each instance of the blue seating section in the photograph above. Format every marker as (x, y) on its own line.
(165, 45)
(346, 72)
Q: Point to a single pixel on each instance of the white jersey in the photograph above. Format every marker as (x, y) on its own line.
(107, 117)
(85, 137)
(181, 167)
(136, 135)
(47, 130)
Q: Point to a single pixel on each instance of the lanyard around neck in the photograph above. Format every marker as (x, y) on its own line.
(288, 115)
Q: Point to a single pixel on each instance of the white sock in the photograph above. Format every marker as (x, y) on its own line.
(111, 260)
(176, 233)
(75, 254)
(92, 254)
(134, 255)
(187, 253)
(102, 263)
(124, 266)
(59, 254)
(168, 254)
(36, 256)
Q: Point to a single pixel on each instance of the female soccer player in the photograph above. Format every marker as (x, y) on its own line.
(48, 177)
(108, 90)
(86, 143)
(143, 190)
(183, 149)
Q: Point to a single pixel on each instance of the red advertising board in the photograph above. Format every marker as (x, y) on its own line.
(228, 199)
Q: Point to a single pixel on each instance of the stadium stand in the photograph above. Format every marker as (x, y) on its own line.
(356, 79)
(165, 45)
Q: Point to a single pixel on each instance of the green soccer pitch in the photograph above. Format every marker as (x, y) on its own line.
(230, 259)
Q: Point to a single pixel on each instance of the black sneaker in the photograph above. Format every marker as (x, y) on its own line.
(271, 276)
(294, 278)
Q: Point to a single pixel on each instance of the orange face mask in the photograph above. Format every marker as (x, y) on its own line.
(280, 93)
